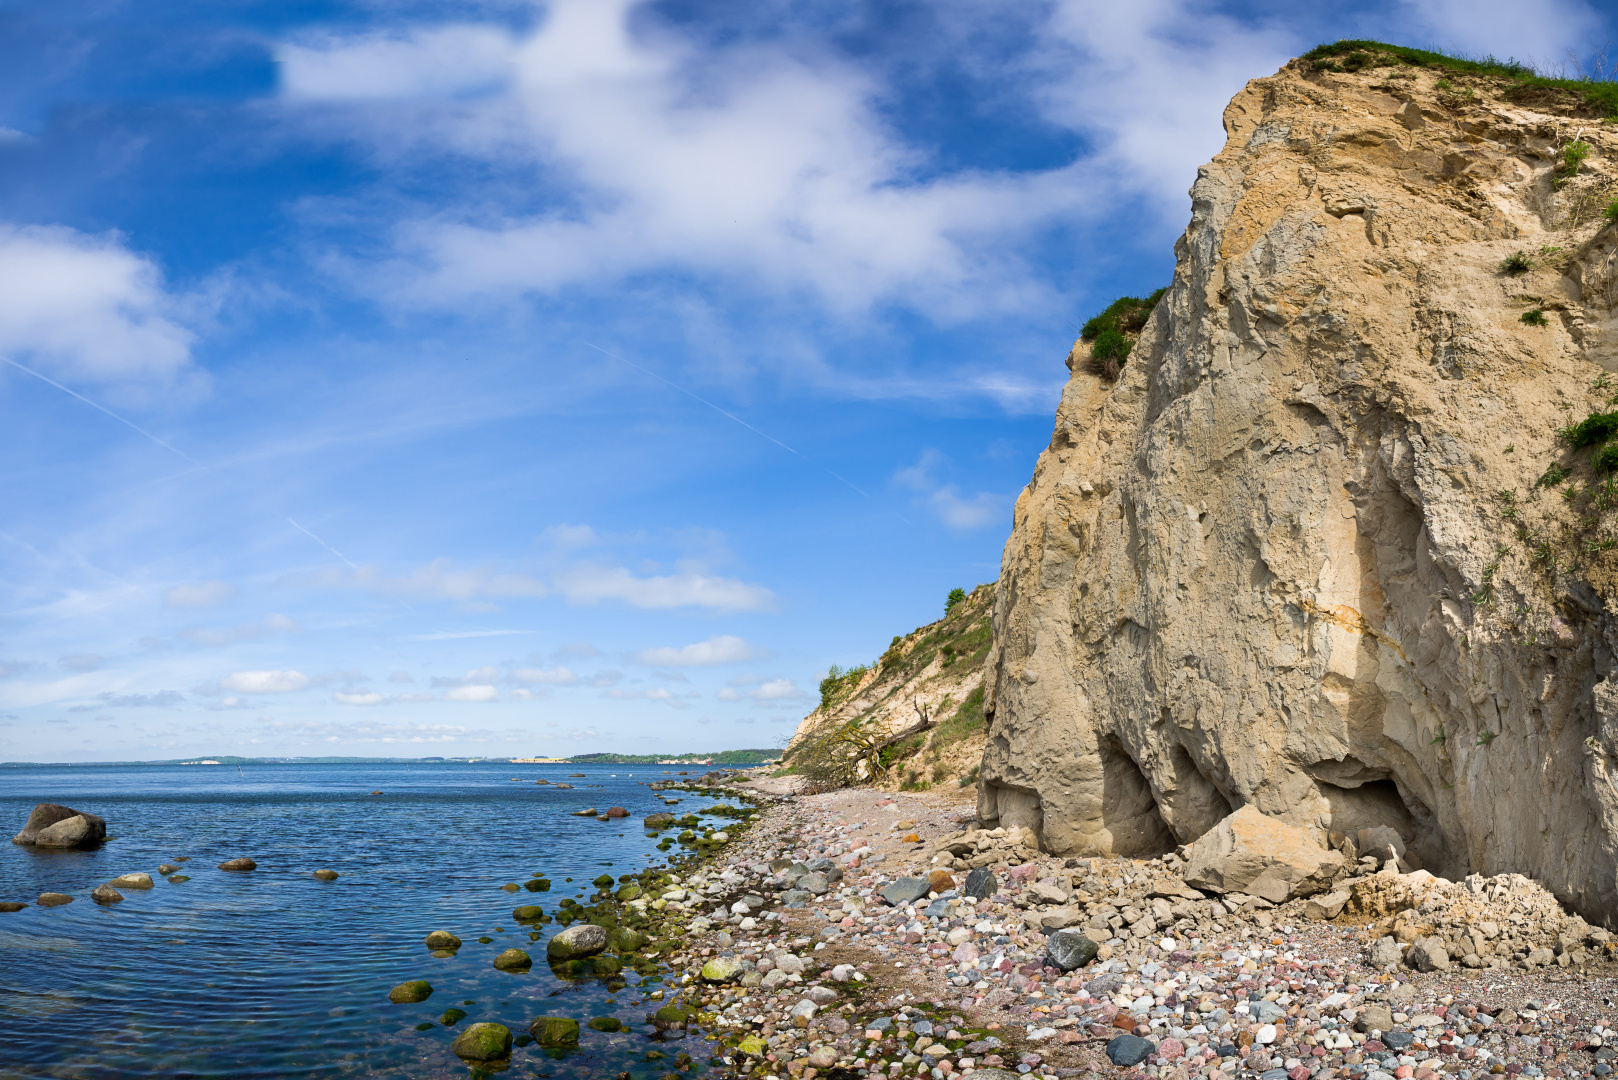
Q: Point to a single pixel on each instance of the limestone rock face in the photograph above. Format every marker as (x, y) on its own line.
(1295, 558)
(1261, 856)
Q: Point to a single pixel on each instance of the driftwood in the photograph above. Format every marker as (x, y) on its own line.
(846, 754)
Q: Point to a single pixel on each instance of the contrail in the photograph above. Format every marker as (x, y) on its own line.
(730, 416)
(103, 408)
(322, 543)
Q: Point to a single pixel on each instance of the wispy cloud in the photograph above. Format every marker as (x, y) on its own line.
(946, 501)
(557, 676)
(205, 594)
(717, 650)
(437, 580)
(231, 635)
(264, 682)
(591, 584)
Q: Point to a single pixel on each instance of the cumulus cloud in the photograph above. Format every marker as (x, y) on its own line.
(776, 690)
(717, 650)
(205, 594)
(591, 584)
(367, 698)
(486, 674)
(264, 682)
(558, 676)
(87, 307)
(437, 580)
(945, 500)
(473, 693)
(425, 62)
(729, 693)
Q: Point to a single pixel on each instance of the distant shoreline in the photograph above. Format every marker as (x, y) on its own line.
(729, 758)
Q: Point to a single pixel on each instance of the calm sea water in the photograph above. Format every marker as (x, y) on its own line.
(276, 974)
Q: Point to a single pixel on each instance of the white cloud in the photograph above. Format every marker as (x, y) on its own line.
(776, 690)
(230, 635)
(203, 595)
(729, 693)
(658, 694)
(438, 580)
(589, 584)
(1544, 31)
(748, 161)
(358, 699)
(87, 307)
(483, 675)
(472, 693)
(559, 676)
(717, 650)
(264, 682)
(946, 501)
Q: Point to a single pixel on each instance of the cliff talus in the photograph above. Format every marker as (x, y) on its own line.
(1299, 555)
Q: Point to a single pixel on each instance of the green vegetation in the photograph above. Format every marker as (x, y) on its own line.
(1573, 155)
(1520, 81)
(1516, 263)
(1595, 428)
(839, 684)
(955, 597)
(1534, 318)
(1610, 214)
(1112, 333)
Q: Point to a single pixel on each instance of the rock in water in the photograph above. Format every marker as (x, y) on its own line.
(326, 875)
(238, 865)
(106, 894)
(980, 883)
(617, 812)
(12, 905)
(442, 939)
(1188, 516)
(1251, 853)
(527, 913)
(588, 811)
(132, 881)
(1127, 1050)
(483, 1042)
(60, 829)
(606, 1023)
(553, 1031)
(659, 821)
(168, 868)
(54, 899)
(409, 993)
(576, 943)
(1069, 949)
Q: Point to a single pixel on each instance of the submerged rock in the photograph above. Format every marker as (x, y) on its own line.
(409, 993)
(606, 1023)
(483, 1042)
(238, 866)
(177, 879)
(577, 942)
(12, 905)
(168, 868)
(513, 960)
(55, 825)
(553, 1031)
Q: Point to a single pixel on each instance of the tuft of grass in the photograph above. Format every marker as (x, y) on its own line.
(1108, 332)
(1573, 155)
(1516, 263)
(1600, 95)
(1553, 476)
(1534, 318)
(1607, 458)
(1610, 214)
(1595, 428)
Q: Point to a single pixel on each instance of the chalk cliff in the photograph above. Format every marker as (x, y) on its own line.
(1300, 555)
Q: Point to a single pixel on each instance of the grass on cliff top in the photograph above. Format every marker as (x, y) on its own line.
(1358, 54)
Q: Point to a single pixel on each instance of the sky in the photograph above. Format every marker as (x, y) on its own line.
(493, 379)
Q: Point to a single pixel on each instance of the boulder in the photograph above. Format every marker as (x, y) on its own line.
(555, 1031)
(940, 881)
(45, 817)
(980, 883)
(238, 866)
(12, 905)
(53, 899)
(906, 890)
(1250, 852)
(410, 993)
(326, 875)
(616, 812)
(106, 894)
(1383, 954)
(1327, 906)
(1382, 843)
(659, 820)
(722, 969)
(513, 960)
(442, 939)
(588, 811)
(606, 1023)
(135, 880)
(483, 1042)
(1069, 949)
(1374, 1018)
(527, 913)
(1428, 954)
(1127, 1050)
(576, 943)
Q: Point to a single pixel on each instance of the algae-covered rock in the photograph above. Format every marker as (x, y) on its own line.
(513, 960)
(605, 965)
(12, 905)
(326, 875)
(752, 1046)
(510, 886)
(555, 1031)
(527, 913)
(409, 993)
(483, 1042)
(178, 879)
(627, 893)
(606, 1023)
(605, 881)
(577, 942)
(452, 1016)
(539, 884)
(722, 969)
(627, 941)
(442, 939)
(659, 820)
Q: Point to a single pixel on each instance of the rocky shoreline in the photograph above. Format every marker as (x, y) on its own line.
(796, 960)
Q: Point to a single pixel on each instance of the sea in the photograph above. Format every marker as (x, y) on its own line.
(274, 973)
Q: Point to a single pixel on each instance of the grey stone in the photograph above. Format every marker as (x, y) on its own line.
(1069, 949)
(54, 899)
(73, 832)
(1428, 954)
(1397, 1040)
(814, 883)
(106, 894)
(1127, 1050)
(1265, 1012)
(1383, 954)
(905, 891)
(46, 815)
(132, 881)
(577, 942)
(796, 896)
(980, 882)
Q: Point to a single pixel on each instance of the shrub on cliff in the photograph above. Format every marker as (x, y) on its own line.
(1112, 333)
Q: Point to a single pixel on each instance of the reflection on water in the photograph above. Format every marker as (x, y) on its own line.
(274, 973)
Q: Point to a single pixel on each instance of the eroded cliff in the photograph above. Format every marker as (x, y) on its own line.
(1304, 553)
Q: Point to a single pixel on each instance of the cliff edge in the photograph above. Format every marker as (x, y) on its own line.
(1341, 540)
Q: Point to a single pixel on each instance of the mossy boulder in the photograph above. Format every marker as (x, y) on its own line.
(442, 939)
(605, 965)
(605, 881)
(554, 1031)
(672, 1014)
(539, 884)
(527, 913)
(627, 941)
(577, 942)
(409, 993)
(722, 969)
(606, 1023)
(326, 875)
(513, 960)
(627, 893)
(752, 1046)
(659, 821)
(452, 1016)
(483, 1042)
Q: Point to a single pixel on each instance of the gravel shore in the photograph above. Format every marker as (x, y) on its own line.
(794, 962)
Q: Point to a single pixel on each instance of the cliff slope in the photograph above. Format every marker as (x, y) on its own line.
(1321, 548)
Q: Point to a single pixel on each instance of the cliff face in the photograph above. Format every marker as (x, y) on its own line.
(938, 667)
(1296, 556)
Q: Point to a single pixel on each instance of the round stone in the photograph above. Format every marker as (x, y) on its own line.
(513, 960)
(483, 1042)
(442, 939)
(106, 894)
(409, 993)
(606, 1023)
(552, 1031)
(527, 913)
(326, 875)
(577, 942)
(721, 969)
(238, 866)
(54, 899)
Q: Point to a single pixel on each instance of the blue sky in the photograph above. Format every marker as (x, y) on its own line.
(508, 378)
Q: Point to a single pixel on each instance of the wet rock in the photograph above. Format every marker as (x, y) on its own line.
(178, 879)
(980, 883)
(564, 787)
(659, 820)
(61, 826)
(527, 913)
(483, 1042)
(577, 943)
(409, 993)
(606, 1023)
(442, 939)
(722, 969)
(627, 941)
(605, 881)
(588, 811)
(905, 890)
(513, 960)
(326, 875)
(1127, 1050)
(617, 812)
(510, 886)
(1069, 949)
(1250, 852)
(168, 868)
(11, 905)
(106, 894)
(132, 881)
(238, 866)
(452, 1016)
(555, 1031)
(54, 899)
